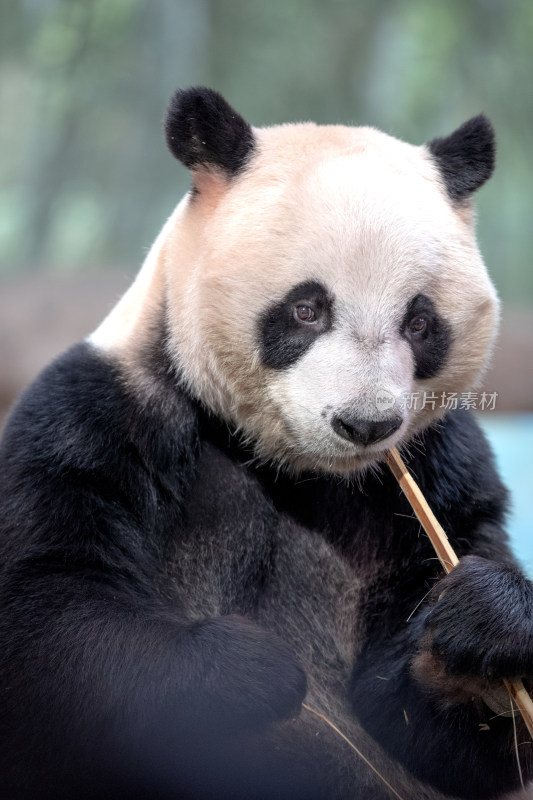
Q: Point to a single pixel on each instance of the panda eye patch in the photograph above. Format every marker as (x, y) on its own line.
(428, 334)
(290, 326)
(305, 314)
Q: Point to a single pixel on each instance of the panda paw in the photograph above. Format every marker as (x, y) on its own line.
(479, 626)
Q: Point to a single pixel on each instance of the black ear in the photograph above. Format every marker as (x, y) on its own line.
(465, 158)
(203, 130)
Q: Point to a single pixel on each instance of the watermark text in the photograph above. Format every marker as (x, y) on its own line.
(417, 401)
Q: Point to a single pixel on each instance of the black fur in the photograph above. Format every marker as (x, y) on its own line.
(431, 348)
(94, 489)
(283, 339)
(159, 595)
(466, 157)
(463, 490)
(459, 638)
(202, 130)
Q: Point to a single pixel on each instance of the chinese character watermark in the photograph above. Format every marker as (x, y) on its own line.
(417, 401)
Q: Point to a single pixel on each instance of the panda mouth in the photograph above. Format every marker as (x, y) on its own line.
(341, 455)
(345, 464)
(330, 441)
(359, 445)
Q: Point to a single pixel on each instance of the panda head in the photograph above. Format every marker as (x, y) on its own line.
(323, 281)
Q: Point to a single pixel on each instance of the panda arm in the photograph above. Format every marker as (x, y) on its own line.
(99, 672)
(421, 684)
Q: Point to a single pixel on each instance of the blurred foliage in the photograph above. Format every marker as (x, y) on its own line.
(84, 173)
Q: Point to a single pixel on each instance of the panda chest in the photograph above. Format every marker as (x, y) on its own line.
(238, 554)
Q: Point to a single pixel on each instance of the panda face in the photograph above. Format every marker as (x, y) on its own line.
(319, 283)
(331, 282)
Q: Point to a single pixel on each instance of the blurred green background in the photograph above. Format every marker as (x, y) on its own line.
(84, 85)
(86, 181)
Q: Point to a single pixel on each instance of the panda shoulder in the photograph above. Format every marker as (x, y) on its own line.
(81, 412)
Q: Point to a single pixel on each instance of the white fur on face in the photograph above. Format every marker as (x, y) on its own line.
(364, 215)
(375, 240)
(338, 375)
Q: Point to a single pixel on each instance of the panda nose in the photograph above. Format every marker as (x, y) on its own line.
(364, 431)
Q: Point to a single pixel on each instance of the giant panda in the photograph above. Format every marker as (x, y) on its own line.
(199, 533)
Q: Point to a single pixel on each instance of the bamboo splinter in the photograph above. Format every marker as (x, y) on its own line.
(449, 560)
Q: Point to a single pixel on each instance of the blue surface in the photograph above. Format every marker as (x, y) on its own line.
(511, 437)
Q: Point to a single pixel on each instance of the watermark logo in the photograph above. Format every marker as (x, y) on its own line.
(384, 400)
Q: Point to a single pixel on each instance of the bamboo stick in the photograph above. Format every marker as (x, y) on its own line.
(449, 560)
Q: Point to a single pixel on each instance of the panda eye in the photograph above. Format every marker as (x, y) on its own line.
(305, 314)
(418, 326)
